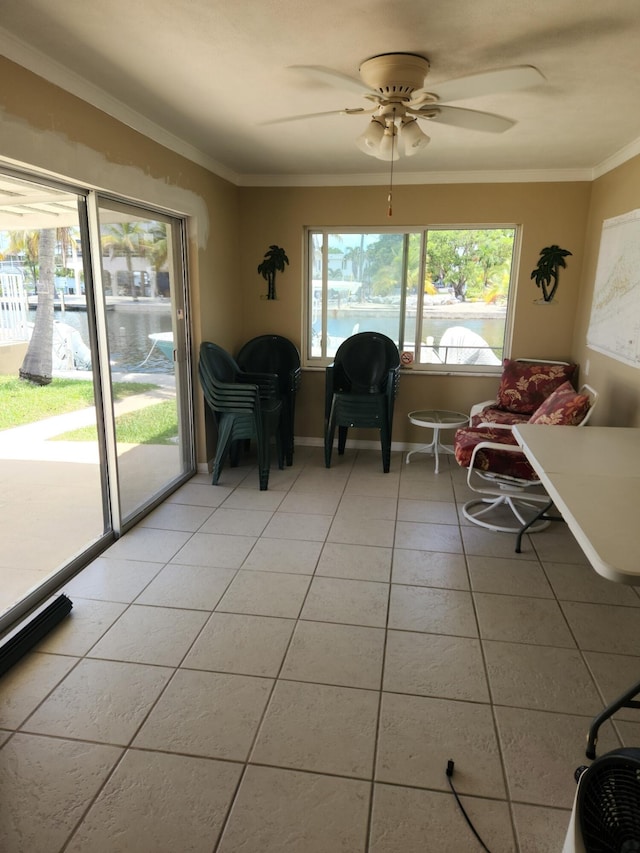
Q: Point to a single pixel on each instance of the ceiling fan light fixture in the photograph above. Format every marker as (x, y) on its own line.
(412, 136)
(388, 148)
(370, 140)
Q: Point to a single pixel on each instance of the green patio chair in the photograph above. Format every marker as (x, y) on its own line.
(275, 354)
(245, 406)
(360, 391)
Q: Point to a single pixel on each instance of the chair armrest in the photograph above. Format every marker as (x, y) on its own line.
(492, 425)
(495, 445)
(256, 378)
(268, 383)
(478, 407)
(592, 394)
(503, 482)
(231, 386)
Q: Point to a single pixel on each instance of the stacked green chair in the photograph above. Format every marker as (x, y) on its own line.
(360, 391)
(245, 406)
(275, 354)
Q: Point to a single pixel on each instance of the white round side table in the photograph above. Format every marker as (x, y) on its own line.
(436, 419)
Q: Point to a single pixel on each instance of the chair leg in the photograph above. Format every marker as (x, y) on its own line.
(385, 442)
(287, 433)
(329, 434)
(225, 428)
(280, 446)
(234, 453)
(342, 439)
(264, 450)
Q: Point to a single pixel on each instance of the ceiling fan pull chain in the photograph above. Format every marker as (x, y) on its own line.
(393, 141)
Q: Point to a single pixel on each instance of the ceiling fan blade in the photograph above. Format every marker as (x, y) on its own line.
(334, 78)
(488, 83)
(467, 119)
(347, 111)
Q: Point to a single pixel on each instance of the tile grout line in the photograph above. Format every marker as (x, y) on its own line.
(276, 679)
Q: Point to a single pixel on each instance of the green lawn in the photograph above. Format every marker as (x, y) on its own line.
(155, 424)
(24, 403)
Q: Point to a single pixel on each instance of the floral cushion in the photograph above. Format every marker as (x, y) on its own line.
(525, 384)
(503, 462)
(564, 407)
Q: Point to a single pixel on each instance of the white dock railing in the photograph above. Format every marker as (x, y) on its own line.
(14, 308)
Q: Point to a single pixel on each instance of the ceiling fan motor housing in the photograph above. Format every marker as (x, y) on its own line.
(395, 74)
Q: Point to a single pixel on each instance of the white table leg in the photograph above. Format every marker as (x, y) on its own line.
(424, 448)
(432, 447)
(436, 443)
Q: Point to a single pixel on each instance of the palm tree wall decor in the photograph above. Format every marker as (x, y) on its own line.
(549, 263)
(274, 260)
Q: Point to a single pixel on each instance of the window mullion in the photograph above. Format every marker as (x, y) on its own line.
(325, 292)
(420, 295)
(403, 291)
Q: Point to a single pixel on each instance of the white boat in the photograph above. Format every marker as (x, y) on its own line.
(164, 342)
(68, 349)
(459, 345)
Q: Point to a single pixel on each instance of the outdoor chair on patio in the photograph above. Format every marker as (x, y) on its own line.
(498, 470)
(360, 391)
(275, 354)
(244, 405)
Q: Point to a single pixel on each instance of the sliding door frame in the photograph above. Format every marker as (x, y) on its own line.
(114, 524)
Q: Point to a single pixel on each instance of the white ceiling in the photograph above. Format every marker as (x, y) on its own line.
(201, 76)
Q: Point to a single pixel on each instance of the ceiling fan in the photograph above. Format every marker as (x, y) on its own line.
(394, 83)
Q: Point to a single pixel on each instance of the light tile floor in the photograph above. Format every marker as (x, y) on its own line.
(289, 672)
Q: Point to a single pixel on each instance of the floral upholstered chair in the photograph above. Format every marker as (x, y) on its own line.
(498, 470)
(524, 385)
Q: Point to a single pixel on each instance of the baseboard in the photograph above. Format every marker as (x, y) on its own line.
(357, 444)
(353, 444)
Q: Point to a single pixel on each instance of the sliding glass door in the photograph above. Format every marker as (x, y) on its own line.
(52, 485)
(95, 414)
(144, 310)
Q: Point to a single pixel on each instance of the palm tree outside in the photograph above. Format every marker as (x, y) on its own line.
(37, 366)
(126, 240)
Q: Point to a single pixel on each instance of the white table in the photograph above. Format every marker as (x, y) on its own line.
(436, 419)
(593, 476)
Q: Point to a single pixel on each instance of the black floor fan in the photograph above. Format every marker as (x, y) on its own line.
(606, 811)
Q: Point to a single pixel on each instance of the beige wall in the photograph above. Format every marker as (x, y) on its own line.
(230, 228)
(613, 194)
(547, 213)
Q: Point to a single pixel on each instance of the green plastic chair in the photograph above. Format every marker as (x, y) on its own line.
(245, 406)
(360, 391)
(275, 354)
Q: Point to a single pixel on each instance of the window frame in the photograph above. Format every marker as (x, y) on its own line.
(320, 362)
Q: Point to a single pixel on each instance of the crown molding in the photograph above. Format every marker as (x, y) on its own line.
(38, 63)
(622, 156)
(419, 178)
(54, 72)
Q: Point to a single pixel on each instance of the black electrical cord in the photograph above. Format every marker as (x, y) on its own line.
(449, 772)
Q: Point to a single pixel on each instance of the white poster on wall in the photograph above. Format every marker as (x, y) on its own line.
(614, 327)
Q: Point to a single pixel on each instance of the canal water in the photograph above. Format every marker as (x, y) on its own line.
(130, 325)
(128, 329)
(489, 328)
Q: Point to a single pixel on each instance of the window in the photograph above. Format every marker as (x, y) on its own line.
(442, 294)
